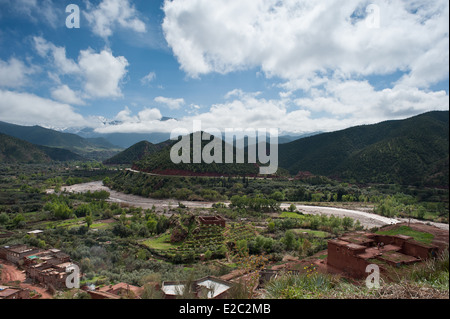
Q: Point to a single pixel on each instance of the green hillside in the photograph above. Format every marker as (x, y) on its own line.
(97, 148)
(135, 153)
(161, 163)
(14, 150)
(411, 151)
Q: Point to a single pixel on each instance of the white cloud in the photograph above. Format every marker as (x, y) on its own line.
(14, 73)
(341, 105)
(125, 115)
(42, 11)
(150, 115)
(146, 115)
(302, 41)
(58, 54)
(111, 14)
(148, 78)
(30, 109)
(102, 72)
(325, 49)
(429, 68)
(359, 101)
(171, 103)
(65, 94)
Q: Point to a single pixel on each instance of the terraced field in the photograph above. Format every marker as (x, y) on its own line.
(206, 239)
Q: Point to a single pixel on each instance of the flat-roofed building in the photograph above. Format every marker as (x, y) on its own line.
(208, 287)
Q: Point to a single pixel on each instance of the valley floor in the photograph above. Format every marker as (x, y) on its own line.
(367, 219)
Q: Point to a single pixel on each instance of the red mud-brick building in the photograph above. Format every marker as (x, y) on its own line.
(7, 292)
(353, 252)
(46, 267)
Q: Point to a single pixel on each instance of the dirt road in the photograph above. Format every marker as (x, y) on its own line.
(366, 219)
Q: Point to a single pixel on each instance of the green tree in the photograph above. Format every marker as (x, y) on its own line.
(89, 220)
(289, 240)
(4, 218)
(278, 196)
(19, 221)
(152, 225)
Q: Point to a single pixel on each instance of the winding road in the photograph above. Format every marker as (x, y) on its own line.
(367, 220)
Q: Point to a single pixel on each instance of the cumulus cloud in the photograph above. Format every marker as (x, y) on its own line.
(30, 109)
(359, 101)
(171, 103)
(303, 41)
(65, 94)
(323, 51)
(14, 73)
(42, 11)
(58, 54)
(101, 73)
(349, 103)
(112, 14)
(150, 115)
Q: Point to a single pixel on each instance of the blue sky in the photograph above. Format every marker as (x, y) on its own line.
(296, 65)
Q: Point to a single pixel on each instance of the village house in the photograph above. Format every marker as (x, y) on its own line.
(208, 287)
(7, 292)
(122, 289)
(47, 267)
(16, 253)
(353, 252)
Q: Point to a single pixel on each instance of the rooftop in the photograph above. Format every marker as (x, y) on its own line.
(214, 286)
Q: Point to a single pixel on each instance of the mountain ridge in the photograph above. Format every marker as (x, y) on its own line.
(410, 151)
(389, 151)
(15, 150)
(93, 148)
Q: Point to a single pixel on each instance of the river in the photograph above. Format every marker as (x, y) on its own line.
(367, 220)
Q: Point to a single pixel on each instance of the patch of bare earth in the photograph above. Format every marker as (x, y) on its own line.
(12, 276)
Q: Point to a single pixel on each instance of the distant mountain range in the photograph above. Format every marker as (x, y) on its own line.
(14, 150)
(125, 140)
(90, 148)
(414, 151)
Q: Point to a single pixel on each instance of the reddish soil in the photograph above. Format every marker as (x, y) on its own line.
(12, 276)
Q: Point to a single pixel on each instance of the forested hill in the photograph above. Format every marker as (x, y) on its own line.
(135, 153)
(14, 150)
(161, 163)
(413, 151)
